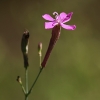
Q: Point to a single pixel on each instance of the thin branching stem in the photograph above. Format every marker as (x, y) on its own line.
(26, 81)
(23, 89)
(35, 81)
(40, 61)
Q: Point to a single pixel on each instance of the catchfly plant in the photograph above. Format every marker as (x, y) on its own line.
(61, 19)
(56, 25)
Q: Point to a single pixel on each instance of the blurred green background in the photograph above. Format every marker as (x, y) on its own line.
(73, 69)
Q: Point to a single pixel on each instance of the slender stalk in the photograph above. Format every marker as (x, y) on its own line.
(35, 81)
(40, 61)
(26, 81)
(23, 89)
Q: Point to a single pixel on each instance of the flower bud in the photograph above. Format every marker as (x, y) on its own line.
(19, 79)
(40, 49)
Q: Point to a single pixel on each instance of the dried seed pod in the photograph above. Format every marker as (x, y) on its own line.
(24, 47)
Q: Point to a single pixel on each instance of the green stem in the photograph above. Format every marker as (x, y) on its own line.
(35, 81)
(40, 61)
(26, 81)
(23, 89)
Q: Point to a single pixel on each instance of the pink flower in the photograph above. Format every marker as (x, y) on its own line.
(56, 25)
(61, 19)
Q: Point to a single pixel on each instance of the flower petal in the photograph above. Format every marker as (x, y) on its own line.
(49, 25)
(63, 15)
(68, 17)
(47, 17)
(68, 27)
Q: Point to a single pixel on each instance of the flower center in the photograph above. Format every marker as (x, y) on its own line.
(57, 17)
